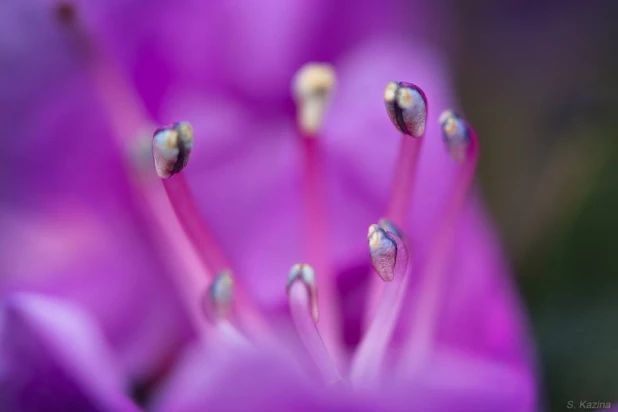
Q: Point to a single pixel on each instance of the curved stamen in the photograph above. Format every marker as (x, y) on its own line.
(218, 306)
(311, 88)
(129, 121)
(370, 353)
(406, 106)
(303, 308)
(219, 297)
(171, 147)
(429, 294)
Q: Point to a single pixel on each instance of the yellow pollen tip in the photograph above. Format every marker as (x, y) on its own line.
(171, 140)
(373, 235)
(390, 91)
(311, 88)
(404, 98)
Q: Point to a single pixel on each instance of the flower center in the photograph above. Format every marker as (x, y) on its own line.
(217, 301)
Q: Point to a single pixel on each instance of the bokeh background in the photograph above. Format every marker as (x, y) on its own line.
(538, 81)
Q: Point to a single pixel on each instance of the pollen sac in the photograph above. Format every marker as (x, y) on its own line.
(383, 252)
(311, 88)
(455, 134)
(220, 296)
(304, 273)
(171, 148)
(406, 106)
(389, 226)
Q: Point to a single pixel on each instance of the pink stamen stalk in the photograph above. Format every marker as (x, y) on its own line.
(410, 120)
(316, 239)
(403, 183)
(300, 301)
(398, 207)
(428, 296)
(370, 353)
(188, 215)
(130, 123)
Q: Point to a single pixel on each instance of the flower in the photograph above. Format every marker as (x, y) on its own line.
(257, 195)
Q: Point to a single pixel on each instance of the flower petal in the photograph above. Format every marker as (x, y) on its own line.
(53, 358)
(70, 226)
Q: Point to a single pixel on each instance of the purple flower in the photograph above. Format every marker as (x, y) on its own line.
(260, 179)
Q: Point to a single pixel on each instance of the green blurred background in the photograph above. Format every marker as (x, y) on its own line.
(539, 82)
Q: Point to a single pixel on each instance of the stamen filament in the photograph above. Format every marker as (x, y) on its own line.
(211, 255)
(412, 127)
(188, 215)
(311, 88)
(300, 309)
(129, 123)
(370, 353)
(403, 182)
(428, 296)
(317, 239)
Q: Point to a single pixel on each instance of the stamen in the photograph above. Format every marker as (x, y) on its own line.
(171, 147)
(218, 305)
(311, 88)
(303, 308)
(455, 134)
(428, 296)
(305, 273)
(406, 106)
(218, 299)
(370, 353)
(383, 252)
(128, 120)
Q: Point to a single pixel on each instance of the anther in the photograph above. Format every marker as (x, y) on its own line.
(455, 134)
(383, 252)
(219, 297)
(311, 88)
(389, 226)
(65, 12)
(171, 148)
(406, 106)
(305, 274)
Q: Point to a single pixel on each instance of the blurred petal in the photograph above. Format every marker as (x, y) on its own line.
(268, 380)
(454, 380)
(69, 224)
(52, 357)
